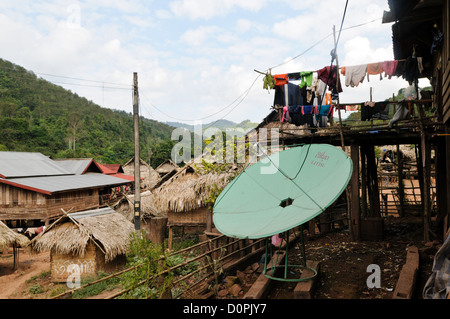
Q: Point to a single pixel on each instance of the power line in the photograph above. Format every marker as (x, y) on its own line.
(238, 100)
(85, 80)
(320, 41)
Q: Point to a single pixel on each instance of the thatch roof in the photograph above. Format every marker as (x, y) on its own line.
(125, 206)
(9, 237)
(189, 189)
(71, 234)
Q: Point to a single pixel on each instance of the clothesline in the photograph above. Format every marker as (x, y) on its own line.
(409, 68)
(315, 71)
(359, 103)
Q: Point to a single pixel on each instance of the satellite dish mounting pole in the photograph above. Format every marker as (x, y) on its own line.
(137, 156)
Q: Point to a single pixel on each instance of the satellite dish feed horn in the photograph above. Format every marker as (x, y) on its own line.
(302, 183)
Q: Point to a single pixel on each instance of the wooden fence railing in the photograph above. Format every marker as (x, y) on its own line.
(220, 252)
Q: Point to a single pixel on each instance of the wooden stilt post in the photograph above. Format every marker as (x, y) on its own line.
(401, 189)
(426, 159)
(363, 152)
(355, 224)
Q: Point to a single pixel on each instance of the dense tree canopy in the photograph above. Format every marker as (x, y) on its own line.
(38, 116)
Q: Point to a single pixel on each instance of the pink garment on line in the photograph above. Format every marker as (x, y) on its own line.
(389, 67)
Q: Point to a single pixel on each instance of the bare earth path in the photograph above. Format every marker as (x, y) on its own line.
(13, 282)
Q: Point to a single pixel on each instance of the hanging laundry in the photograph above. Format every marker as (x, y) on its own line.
(401, 114)
(285, 117)
(293, 76)
(281, 79)
(319, 88)
(419, 64)
(293, 93)
(306, 78)
(374, 110)
(295, 114)
(381, 111)
(324, 110)
(411, 70)
(351, 108)
(308, 115)
(269, 82)
(374, 69)
(354, 75)
(389, 68)
(329, 77)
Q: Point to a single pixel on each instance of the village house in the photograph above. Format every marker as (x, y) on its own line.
(93, 241)
(34, 189)
(149, 177)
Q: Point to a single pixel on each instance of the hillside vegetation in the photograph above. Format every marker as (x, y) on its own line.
(38, 116)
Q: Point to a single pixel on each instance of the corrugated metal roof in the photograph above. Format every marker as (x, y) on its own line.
(25, 164)
(75, 166)
(91, 213)
(54, 184)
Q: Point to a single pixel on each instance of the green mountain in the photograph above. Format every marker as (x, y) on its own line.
(220, 124)
(38, 116)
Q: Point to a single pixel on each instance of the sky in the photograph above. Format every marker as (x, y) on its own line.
(195, 59)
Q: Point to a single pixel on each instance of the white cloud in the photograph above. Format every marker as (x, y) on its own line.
(189, 69)
(198, 36)
(207, 9)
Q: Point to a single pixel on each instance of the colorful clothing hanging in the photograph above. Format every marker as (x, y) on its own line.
(374, 69)
(354, 75)
(306, 79)
(374, 110)
(329, 76)
(281, 79)
(389, 68)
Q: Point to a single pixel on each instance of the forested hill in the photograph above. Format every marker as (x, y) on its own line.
(38, 116)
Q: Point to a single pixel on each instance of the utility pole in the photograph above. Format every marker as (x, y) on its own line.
(137, 157)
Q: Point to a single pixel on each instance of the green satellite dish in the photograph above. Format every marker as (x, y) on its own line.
(282, 191)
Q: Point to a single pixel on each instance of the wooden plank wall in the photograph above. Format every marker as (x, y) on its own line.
(21, 204)
(194, 217)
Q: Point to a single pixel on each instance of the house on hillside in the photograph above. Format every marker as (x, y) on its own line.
(90, 240)
(35, 188)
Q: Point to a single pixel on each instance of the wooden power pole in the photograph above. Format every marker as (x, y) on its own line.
(137, 156)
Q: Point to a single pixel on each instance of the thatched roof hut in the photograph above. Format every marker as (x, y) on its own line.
(9, 237)
(125, 206)
(189, 188)
(90, 239)
(184, 197)
(71, 234)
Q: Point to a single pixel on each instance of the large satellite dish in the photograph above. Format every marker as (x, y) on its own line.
(283, 191)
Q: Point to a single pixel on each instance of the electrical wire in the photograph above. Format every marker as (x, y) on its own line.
(238, 100)
(320, 41)
(85, 80)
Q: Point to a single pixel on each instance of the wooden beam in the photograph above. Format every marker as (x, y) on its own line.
(355, 214)
(426, 166)
(401, 188)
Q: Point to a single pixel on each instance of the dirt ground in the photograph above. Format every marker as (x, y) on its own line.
(16, 283)
(343, 269)
(342, 273)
